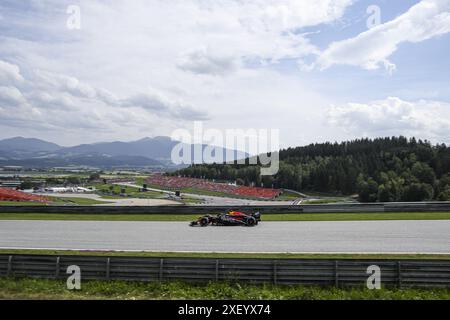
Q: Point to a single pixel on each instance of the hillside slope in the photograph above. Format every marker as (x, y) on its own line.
(383, 169)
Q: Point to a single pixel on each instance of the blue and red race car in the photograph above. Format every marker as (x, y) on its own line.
(231, 218)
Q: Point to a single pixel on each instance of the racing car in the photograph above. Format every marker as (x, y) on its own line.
(231, 218)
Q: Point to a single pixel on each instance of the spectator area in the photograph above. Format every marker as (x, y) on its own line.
(19, 196)
(172, 182)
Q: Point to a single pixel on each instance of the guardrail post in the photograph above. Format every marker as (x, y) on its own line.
(108, 263)
(336, 273)
(9, 270)
(275, 271)
(399, 274)
(57, 267)
(161, 268)
(217, 270)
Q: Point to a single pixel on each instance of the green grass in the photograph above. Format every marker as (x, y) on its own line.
(217, 255)
(55, 201)
(96, 217)
(285, 196)
(77, 201)
(140, 181)
(209, 193)
(111, 191)
(321, 201)
(190, 200)
(134, 192)
(24, 203)
(288, 196)
(265, 217)
(314, 193)
(27, 288)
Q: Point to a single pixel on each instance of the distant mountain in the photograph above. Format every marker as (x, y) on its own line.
(3, 155)
(155, 148)
(100, 161)
(159, 148)
(144, 152)
(27, 145)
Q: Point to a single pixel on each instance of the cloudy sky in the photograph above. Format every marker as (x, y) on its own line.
(316, 70)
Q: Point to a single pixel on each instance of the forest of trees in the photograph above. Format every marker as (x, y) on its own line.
(383, 169)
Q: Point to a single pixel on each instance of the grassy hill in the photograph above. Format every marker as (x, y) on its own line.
(382, 169)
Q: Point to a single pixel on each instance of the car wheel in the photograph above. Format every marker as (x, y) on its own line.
(251, 222)
(204, 222)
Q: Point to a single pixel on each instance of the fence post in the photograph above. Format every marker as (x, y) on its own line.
(57, 267)
(161, 266)
(9, 270)
(399, 274)
(108, 263)
(217, 269)
(336, 273)
(275, 271)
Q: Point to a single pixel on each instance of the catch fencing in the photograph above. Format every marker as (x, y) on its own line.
(323, 272)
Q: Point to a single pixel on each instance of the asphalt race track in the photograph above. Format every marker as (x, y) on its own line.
(352, 236)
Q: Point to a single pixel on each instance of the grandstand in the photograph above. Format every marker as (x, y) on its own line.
(176, 183)
(14, 195)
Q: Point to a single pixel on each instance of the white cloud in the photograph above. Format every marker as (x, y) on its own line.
(11, 96)
(393, 116)
(138, 68)
(63, 83)
(9, 73)
(232, 32)
(202, 61)
(107, 72)
(55, 101)
(170, 33)
(372, 49)
(162, 105)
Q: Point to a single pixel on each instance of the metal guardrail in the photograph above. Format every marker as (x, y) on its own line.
(282, 209)
(400, 273)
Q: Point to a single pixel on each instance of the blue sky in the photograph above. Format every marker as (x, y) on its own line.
(311, 69)
(354, 20)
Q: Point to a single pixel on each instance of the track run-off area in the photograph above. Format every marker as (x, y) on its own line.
(412, 236)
